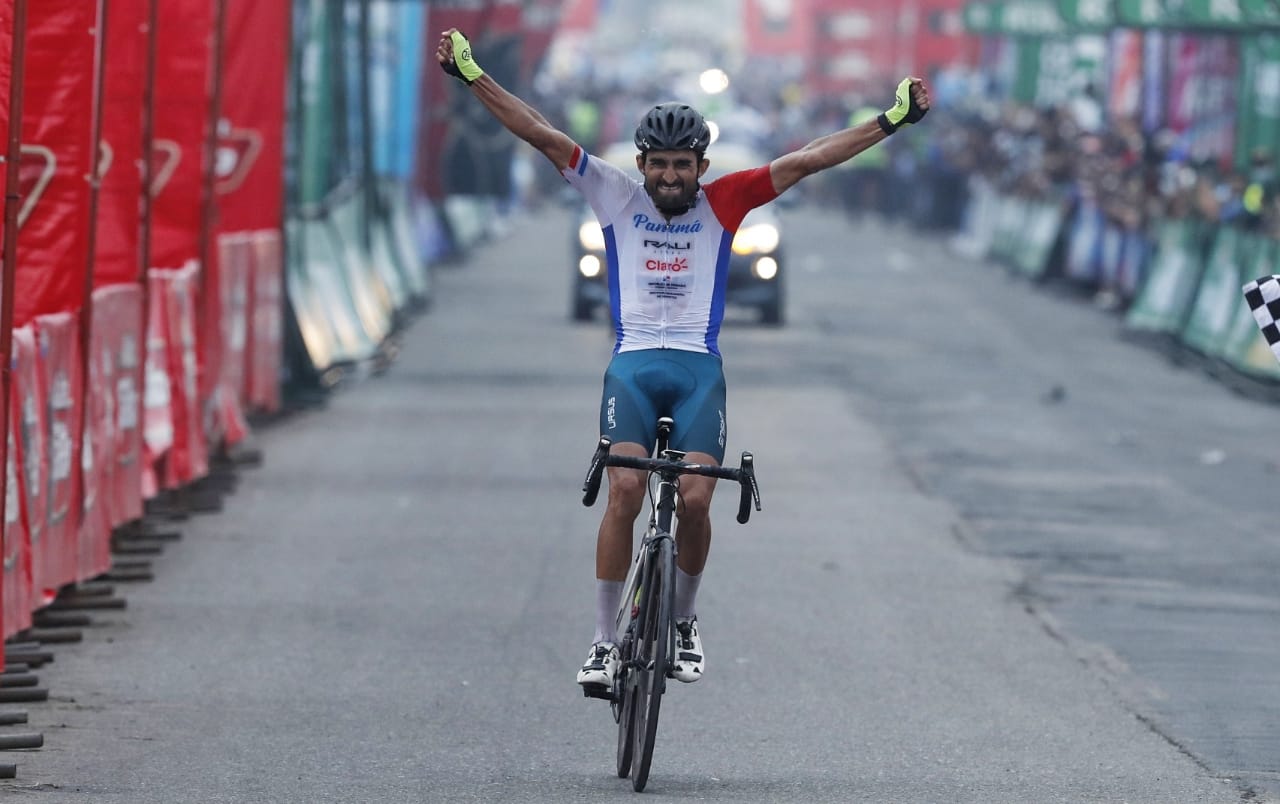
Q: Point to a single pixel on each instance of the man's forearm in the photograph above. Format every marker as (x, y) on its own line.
(842, 145)
(517, 116)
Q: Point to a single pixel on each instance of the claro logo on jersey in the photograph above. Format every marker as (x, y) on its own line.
(674, 266)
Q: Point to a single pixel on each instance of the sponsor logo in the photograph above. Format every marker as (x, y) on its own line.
(643, 222)
(238, 150)
(610, 413)
(165, 156)
(36, 167)
(722, 428)
(675, 266)
(667, 244)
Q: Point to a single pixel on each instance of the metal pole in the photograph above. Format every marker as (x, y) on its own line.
(12, 204)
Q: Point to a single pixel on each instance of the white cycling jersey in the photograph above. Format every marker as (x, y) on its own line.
(667, 279)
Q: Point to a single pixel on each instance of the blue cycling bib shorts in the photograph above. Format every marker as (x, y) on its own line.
(641, 385)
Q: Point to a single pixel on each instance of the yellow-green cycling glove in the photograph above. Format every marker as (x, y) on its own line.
(463, 67)
(904, 110)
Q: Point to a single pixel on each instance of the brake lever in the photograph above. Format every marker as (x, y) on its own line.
(591, 486)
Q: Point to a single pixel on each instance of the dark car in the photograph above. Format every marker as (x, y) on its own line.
(755, 265)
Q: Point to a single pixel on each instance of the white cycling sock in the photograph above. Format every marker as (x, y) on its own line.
(607, 599)
(686, 593)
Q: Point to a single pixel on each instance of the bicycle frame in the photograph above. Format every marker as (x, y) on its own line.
(661, 517)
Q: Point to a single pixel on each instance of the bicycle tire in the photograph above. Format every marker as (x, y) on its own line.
(626, 704)
(653, 644)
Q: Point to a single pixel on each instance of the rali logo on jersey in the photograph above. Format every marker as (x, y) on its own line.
(674, 266)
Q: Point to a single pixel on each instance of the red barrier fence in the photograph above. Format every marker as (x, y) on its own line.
(108, 403)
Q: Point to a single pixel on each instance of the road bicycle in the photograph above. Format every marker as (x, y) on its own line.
(645, 619)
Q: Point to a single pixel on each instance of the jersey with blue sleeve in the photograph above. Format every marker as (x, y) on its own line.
(667, 278)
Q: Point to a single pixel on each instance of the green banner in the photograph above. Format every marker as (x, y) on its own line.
(979, 18)
(1246, 349)
(316, 91)
(1165, 297)
(1088, 14)
(1053, 70)
(1264, 12)
(1217, 297)
(1015, 18)
(1042, 224)
(1258, 118)
(1145, 14)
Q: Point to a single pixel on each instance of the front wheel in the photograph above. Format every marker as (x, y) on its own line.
(625, 711)
(653, 653)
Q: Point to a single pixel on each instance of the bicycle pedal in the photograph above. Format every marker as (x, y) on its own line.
(597, 691)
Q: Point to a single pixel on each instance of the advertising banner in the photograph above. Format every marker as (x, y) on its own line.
(31, 419)
(181, 114)
(249, 166)
(1217, 297)
(15, 587)
(1258, 127)
(249, 189)
(235, 264)
(1203, 80)
(60, 370)
(188, 459)
(317, 125)
(1124, 100)
(56, 125)
(93, 526)
(118, 315)
(117, 253)
(397, 51)
(157, 410)
(265, 322)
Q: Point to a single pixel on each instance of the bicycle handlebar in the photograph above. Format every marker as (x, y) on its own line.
(745, 475)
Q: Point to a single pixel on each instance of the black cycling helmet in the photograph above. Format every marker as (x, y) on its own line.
(673, 127)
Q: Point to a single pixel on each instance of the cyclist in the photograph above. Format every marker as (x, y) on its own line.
(668, 243)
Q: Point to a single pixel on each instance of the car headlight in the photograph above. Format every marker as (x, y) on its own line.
(591, 236)
(765, 268)
(590, 266)
(761, 238)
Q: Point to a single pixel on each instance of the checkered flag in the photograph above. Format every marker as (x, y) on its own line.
(1263, 295)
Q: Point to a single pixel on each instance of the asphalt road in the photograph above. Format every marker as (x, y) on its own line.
(1004, 556)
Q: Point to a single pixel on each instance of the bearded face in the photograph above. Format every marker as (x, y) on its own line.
(671, 178)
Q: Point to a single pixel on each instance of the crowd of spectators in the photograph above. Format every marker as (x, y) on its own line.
(1133, 176)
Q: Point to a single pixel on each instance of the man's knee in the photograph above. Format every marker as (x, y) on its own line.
(696, 502)
(626, 493)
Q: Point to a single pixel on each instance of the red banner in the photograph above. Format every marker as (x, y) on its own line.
(157, 410)
(31, 414)
(249, 187)
(59, 367)
(776, 29)
(93, 528)
(266, 322)
(235, 263)
(117, 253)
(56, 126)
(16, 585)
(118, 311)
(251, 132)
(183, 34)
(188, 459)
